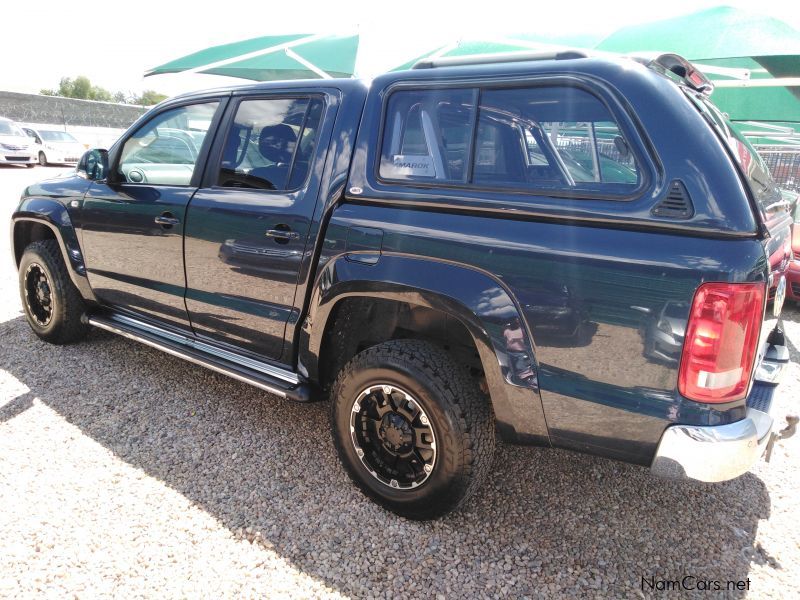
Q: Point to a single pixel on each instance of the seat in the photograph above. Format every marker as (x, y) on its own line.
(276, 144)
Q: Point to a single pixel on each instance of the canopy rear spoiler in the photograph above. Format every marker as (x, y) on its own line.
(675, 66)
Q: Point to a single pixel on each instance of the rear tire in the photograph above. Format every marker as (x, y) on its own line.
(52, 304)
(412, 428)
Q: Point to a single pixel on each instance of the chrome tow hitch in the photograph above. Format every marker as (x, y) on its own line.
(783, 434)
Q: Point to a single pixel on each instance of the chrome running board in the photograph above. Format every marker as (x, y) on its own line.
(265, 376)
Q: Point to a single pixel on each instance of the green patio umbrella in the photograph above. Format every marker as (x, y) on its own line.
(753, 60)
(276, 57)
(721, 32)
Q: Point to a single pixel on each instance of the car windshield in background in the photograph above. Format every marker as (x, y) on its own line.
(57, 136)
(165, 150)
(7, 128)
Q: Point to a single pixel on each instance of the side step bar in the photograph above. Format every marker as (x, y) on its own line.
(270, 378)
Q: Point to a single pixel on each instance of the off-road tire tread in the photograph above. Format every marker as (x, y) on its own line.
(461, 394)
(73, 326)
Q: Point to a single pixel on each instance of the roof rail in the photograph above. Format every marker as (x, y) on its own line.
(669, 64)
(504, 57)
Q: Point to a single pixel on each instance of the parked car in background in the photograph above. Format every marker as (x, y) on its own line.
(15, 146)
(793, 270)
(53, 146)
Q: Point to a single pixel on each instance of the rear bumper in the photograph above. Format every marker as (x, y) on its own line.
(715, 453)
(722, 452)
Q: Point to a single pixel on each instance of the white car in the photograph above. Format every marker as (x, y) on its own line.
(53, 146)
(15, 146)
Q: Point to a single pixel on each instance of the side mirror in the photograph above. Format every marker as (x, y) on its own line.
(94, 164)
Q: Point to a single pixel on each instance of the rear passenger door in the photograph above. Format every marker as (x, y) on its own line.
(248, 225)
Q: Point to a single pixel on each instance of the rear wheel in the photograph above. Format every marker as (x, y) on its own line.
(53, 306)
(42, 159)
(412, 428)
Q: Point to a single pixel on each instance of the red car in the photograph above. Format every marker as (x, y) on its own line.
(793, 269)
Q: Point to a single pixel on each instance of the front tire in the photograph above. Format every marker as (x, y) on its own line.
(52, 304)
(412, 428)
(42, 159)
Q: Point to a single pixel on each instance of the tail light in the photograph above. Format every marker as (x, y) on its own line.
(721, 341)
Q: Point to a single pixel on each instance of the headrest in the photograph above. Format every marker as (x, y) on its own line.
(276, 143)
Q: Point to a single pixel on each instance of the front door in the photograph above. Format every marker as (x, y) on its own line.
(246, 232)
(133, 222)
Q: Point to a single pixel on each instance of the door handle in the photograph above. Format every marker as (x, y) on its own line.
(167, 220)
(283, 234)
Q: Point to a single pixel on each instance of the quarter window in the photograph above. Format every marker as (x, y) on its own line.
(165, 150)
(271, 143)
(428, 135)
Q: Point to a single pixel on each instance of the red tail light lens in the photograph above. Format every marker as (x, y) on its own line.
(721, 341)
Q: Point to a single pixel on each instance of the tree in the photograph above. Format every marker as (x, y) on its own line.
(148, 98)
(101, 94)
(81, 87)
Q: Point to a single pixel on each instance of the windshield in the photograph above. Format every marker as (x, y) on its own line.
(7, 128)
(57, 136)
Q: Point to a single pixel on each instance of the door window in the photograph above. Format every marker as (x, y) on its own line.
(165, 150)
(270, 144)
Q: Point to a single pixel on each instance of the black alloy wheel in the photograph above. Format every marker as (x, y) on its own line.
(38, 295)
(393, 436)
(412, 428)
(55, 310)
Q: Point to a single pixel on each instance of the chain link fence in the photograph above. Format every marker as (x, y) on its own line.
(784, 164)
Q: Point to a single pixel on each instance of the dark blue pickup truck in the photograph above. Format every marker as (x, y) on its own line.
(567, 251)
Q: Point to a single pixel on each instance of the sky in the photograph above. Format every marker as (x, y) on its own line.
(114, 43)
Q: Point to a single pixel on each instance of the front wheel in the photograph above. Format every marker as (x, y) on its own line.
(412, 428)
(42, 159)
(53, 306)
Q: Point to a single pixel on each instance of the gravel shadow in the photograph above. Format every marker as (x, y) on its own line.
(548, 521)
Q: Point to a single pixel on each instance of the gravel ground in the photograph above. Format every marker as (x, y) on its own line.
(127, 472)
